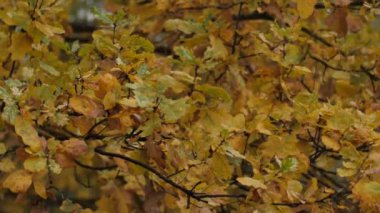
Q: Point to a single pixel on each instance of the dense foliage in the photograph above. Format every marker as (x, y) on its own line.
(191, 105)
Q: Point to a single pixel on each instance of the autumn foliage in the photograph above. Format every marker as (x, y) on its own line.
(191, 106)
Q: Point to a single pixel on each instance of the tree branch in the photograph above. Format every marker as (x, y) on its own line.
(188, 192)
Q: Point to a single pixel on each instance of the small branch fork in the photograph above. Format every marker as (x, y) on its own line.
(189, 192)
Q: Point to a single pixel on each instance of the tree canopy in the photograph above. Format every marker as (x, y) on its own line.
(190, 106)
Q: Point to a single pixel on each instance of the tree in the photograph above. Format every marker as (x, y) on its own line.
(219, 105)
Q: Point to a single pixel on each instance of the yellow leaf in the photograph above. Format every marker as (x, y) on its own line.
(29, 135)
(39, 184)
(163, 4)
(109, 100)
(3, 148)
(35, 164)
(262, 128)
(21, 44)
(107, 83)
(18, 181)
(311, 190)
(86, 106)
(330, 143)
(305, 7)
(48, 29)
(7, 165)
(217, 49)
(298, 71)
(368, 192)
(127, 102)
(294, 190)
(247, 181)
(221, 167)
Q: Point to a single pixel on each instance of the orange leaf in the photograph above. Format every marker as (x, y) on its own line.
(74, 147)
(86, 106)
(18, 181)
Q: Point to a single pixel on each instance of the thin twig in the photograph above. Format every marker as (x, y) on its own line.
(95, 167)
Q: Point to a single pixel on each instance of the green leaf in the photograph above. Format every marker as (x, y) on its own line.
(341, 120)
(185, 54)
(145, 94)
(136, 43)
(51, 70)
(143, 70)
(174, 109)
(293, 54)
(184, 26)
(10, 112)
(289, 164)
(214, 92)
(104, 44)
(75, 46)
(102, 16)
(149, 126)
(44, 92)
(5, 95)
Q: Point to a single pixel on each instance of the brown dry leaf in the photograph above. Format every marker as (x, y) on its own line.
(354, 23)
(83, 123)
(74, 147)
(337, 21)
(155, 153)
(63, 160)
(153, 200)
(107, 83)
(342, 2)
(274, 10)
